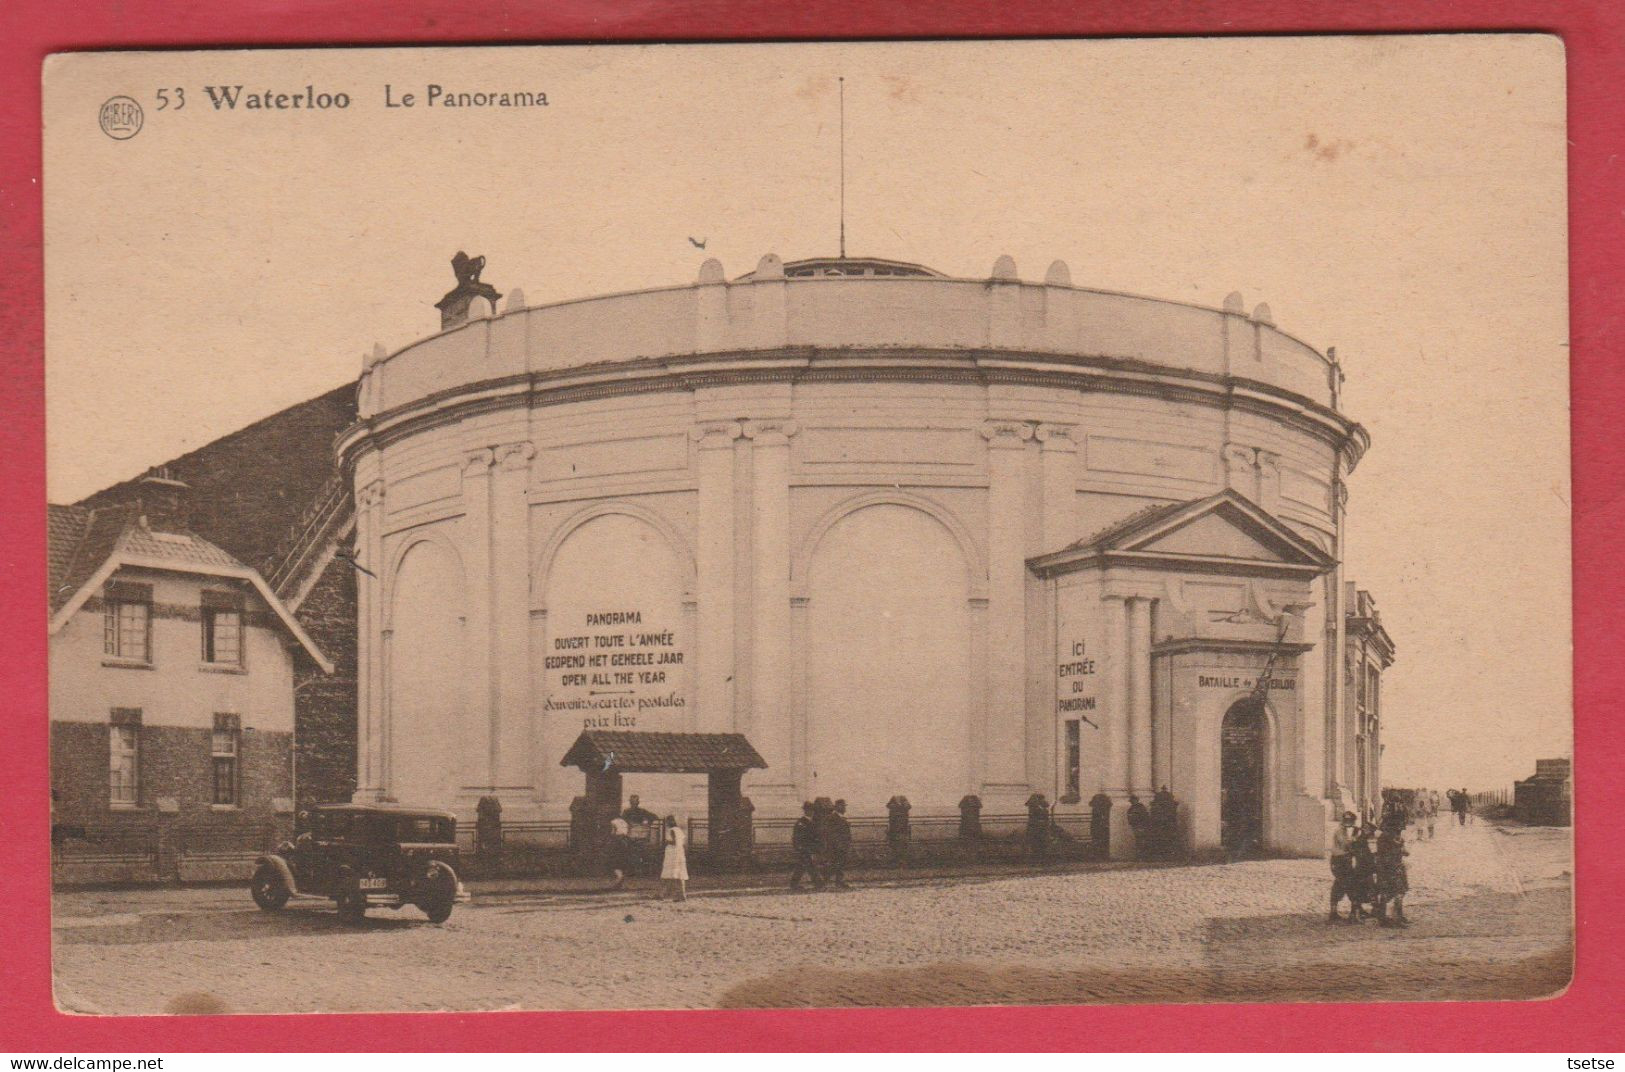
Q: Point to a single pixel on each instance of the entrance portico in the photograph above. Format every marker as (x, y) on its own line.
(1178, 636)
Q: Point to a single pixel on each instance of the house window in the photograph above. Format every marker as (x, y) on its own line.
(222, 628)
(127, 622)
(124, 757)
(1074, 757)
(225, 744)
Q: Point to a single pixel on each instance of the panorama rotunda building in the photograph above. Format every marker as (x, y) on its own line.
(904, 534)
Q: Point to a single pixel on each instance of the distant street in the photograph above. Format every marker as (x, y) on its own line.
(1491, 912)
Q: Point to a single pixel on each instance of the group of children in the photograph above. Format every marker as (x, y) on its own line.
(1374, 882)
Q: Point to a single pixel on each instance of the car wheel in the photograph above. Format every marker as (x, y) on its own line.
(440, 896)
(267, 888)
(352, 907)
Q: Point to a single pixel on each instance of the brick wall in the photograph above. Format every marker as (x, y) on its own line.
(325, 706)
(173, 763)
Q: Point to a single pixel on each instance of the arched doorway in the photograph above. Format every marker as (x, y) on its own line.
(1242, 750)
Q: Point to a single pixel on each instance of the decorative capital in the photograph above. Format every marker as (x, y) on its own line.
(716, 435)
(479, 462)
(512, 456)
(370, 494)
(1056, 436)
(771, 433)
(1008, 435)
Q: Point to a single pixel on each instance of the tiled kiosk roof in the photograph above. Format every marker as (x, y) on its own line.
(634, 752)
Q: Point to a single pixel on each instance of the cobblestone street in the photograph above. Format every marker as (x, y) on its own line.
(1490, 905)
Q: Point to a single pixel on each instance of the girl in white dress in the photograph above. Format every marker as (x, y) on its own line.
(674, 866)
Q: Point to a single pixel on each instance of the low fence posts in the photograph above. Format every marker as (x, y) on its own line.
(970, 825)
(1100, 825)
(970, 817)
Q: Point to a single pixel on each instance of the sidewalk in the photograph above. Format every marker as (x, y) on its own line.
(777, 879)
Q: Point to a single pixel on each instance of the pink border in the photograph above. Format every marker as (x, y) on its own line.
(1586, 1017)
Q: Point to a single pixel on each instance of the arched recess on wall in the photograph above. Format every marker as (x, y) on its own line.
(612, 634)
(425, 660)
(542, 565)
(433, 534)
(970, 551)
(886, 614)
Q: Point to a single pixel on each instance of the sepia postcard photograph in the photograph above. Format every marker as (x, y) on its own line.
(781, 525)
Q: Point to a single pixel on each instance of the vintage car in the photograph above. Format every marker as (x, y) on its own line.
(366, 856)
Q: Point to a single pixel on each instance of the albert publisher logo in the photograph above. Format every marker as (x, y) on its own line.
(121, 118)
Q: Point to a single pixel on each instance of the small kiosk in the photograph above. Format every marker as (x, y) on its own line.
(605, 755)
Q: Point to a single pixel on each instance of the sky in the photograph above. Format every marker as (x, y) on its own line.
(1400, 198)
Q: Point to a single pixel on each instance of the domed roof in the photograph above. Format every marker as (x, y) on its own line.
(850, 267)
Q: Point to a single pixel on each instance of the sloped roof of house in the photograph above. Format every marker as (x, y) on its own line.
(87, 546)
(78, 541)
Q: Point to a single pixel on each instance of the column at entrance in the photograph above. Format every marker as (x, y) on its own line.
(1115, 724)
(1139, 675)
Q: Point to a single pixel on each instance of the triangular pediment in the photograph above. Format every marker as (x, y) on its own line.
(1221, 533)
(1220, 529)
(1213, 534)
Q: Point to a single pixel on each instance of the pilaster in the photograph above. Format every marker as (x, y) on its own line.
(771, 718)
(477, 770)
(1058, 459)
(370, 709)
(714, 447)
(1006, 740)
(510, 615)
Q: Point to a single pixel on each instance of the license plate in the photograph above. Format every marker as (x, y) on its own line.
(374, 883)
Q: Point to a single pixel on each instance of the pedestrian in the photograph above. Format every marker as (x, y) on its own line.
(897, 830)
(1430, 812)
(1363, 875)
(620, 850)
(804, 843)
(674, 866)
(1165, 823)
(1391, 879)
(1342, 860)
(1139, 823)
(642, 847)
(1458, 804)
(837, 844)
